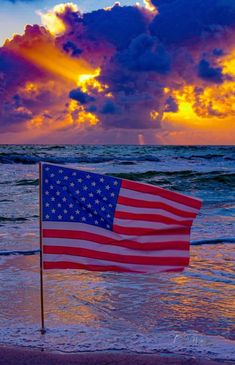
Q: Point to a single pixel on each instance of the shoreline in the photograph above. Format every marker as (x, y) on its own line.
(13, 355)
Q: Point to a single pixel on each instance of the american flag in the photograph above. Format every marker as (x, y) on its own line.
(102, 223)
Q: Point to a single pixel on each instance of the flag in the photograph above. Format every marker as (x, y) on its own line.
(102, 223)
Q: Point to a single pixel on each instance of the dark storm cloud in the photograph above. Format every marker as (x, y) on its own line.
(14, 72)
(144, 54)
(70, 17)
(211, 74)
(80, 96)
(171, 105)
(71, 48)
(218, 52)
(119, 26)
(109, 108)
(181, 20)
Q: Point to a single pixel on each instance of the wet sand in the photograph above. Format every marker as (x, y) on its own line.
(25, 356)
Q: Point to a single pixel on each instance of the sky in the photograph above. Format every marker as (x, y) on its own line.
(98, 72)
(15, 14)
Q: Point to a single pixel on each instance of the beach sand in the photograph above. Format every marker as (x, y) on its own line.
(25, 356)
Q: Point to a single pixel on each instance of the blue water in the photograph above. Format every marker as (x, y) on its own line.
(188, 313)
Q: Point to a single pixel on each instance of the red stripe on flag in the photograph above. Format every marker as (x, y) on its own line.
(74, 265)
(135, 231)
(128, 259)
(150, 189)
(152, 218)
(156, 205)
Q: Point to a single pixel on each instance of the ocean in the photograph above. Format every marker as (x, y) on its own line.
(188, 313)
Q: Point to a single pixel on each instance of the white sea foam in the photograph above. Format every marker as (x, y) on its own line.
(82, 338)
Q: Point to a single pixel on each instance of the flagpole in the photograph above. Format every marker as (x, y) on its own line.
(43, 331)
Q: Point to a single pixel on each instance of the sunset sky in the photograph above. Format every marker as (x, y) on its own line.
(90, 71)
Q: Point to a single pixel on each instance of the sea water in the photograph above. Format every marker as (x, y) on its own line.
(191, 313)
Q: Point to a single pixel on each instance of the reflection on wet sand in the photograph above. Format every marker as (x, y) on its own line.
(194, 300)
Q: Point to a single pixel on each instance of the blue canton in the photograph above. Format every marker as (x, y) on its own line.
(70, 195)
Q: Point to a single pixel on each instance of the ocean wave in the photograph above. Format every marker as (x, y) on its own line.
(33, 157)
(224, 178)
(213, 241)
(209, 156)
(15, 158)
(158, 177)
(29, 159)
(149, 158)
(167, 177)
(54, 147)
(136, 175)
(13, 219)
(25, 182)
(126, 163)
(19, 252)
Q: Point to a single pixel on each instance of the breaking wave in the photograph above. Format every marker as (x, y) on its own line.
(29, 159)
(19, 252)
(14, 158)
(173, 178)
(167, 176)
(13, 219)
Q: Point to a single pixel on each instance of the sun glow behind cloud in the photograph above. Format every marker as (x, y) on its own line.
(88, 82)
(52, 21)
(64, 71)
(149, 6)
(48, 57)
